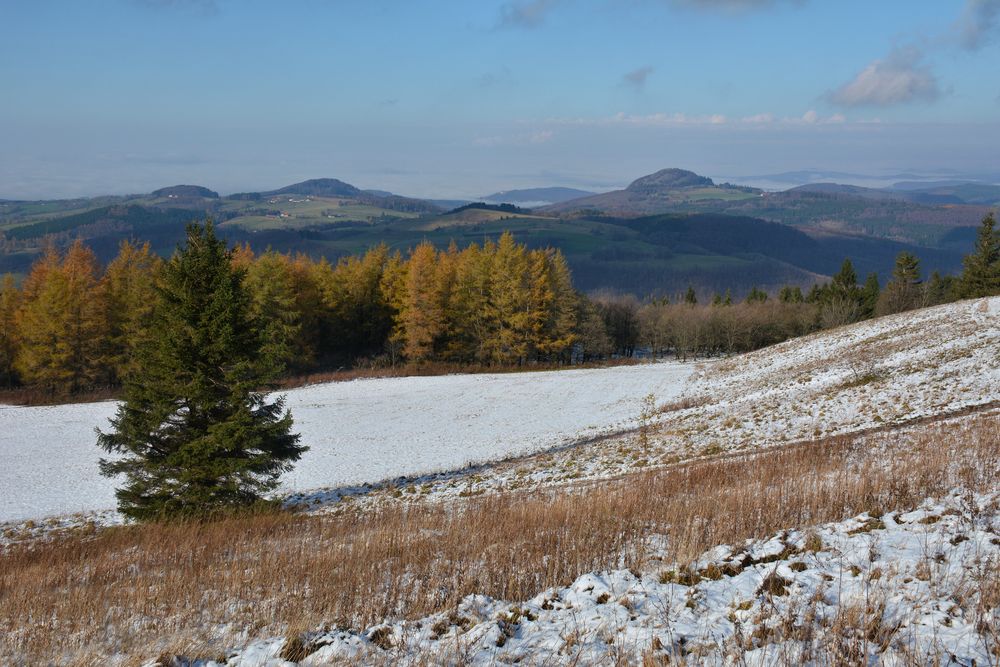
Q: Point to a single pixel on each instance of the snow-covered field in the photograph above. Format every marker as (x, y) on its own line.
(359, 431)
(897, 589)
(876, 374)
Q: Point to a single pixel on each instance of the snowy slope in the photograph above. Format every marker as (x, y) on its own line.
(360, 431)
(885, 371)
(876, 374)
(892, 589)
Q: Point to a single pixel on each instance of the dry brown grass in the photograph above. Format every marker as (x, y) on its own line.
(142, 590)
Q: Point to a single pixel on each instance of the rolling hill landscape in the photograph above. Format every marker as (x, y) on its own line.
(511, 332)
(663, 232)
(878, 526)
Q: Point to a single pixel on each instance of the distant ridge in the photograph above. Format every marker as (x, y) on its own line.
(654, 193)
(314, 187)
(535, 196)
(333, 187)
(185, 191)
(666, 179)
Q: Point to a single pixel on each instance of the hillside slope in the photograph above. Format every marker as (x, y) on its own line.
(830, 500)
(880, 374)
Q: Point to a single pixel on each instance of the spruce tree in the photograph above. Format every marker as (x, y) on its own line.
(756, 295)
(845, 282)
(791, 294)
(869, 296)
(981, 272)
(904, 291)
(195, 435)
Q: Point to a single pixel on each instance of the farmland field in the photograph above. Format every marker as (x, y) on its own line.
(436, 423)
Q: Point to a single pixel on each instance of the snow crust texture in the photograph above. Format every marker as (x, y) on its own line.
(898, 589)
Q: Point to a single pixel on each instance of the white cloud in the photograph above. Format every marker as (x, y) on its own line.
(759, 119)
(810, 117)
(898, 79)
(662, 119)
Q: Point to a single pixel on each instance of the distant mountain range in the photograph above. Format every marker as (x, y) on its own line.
(662, 232)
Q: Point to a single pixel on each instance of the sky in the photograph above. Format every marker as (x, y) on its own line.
(457, 99)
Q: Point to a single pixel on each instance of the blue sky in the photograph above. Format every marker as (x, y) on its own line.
(458, 99)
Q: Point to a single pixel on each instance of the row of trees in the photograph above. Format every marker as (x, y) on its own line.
(686, 327)
(72, 326)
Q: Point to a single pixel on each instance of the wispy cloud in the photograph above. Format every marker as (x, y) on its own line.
(810, 117)
(978, 24)
(525, 14)
(900, 78)
(637, 77)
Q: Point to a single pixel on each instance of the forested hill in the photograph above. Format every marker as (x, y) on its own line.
(697, 232)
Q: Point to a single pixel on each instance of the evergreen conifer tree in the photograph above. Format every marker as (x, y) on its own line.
(903, 292)
(756, 295)
(791, 294)
(845, 282)
(981, 271)
(869, 296)
(195, 435)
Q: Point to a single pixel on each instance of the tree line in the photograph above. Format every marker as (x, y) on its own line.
(74, 325)
(684, 327)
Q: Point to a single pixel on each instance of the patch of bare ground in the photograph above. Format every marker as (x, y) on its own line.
(199, 588)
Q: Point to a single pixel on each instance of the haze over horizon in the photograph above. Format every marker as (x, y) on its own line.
(457, 100)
